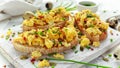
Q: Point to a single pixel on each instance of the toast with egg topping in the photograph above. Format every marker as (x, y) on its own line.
(43, 20)
(90, 24)
(52, 40)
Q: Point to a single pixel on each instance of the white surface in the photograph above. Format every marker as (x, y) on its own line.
(109, 5)
(7, 49)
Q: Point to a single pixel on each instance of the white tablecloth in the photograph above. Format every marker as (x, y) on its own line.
(110, 6)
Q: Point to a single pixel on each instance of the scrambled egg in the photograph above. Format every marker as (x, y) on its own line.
(43, 63)
(96, 44)
(53, 33)
(58, 56)
(70, 33)
(36, 55)
(84, 42)
(48, 43)
(103, 25)
(94, 31)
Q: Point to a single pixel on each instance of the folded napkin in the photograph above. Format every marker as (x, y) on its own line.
(14, 8)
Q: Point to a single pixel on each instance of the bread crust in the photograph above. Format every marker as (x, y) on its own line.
(43, 50)
(27, 28)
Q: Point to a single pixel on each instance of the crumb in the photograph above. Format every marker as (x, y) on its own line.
(111, 32)
(2, 36)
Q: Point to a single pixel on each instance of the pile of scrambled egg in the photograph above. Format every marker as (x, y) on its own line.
(40, 18)
(87, 21)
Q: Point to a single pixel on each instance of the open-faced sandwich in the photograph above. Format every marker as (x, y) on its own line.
(54, 39)
(44, 20)
(93, 30)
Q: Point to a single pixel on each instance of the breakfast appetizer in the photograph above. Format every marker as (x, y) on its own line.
(45, 20)
(54, 39)
(90, 25)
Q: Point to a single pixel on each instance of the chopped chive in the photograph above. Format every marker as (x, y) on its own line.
(52, 64)
(91, 25)
(40, 33)
(7, 37)
(13, 34)
(60, 42)
(111, 40)
(88, 47)
(89, 15)
(18, 32)
(76, 51)
(78, 62)
(79, 33)
(51, 54)
(63, 19)
(71, 9)
(13, 25)
(104, 11)
(73, 48)
(109, 55)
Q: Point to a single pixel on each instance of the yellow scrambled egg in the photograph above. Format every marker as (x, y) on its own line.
(43, 63)
(36, 55)
(58, 56)
(84, 42)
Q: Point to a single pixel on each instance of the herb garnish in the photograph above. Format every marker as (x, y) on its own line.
(73, 48)
(89, 15)
(76, 51)
(88, 47)
(79, 33)
(40, 33)
(78, 62)
(111, 40)
(51, 54)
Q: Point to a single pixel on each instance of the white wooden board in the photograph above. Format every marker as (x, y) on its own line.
(7, 49)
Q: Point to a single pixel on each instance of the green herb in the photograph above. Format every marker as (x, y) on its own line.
(88, 47)
(63, 19)
(76, 51)
(104, 11)
(78, 62)
(9, 29)
(79, 33)
(18, 32)
(109, 55)
(40, 33)
(13, 34)
(51, 54)
(34, 65)
(89, 15)
(111, 40)
(13, 25)
(64, 53)
(60, 42)
(52, 64)
(7, 37)
(71, 9)
(91, 25)
(73, 48)
(69, 5)
(118, 66)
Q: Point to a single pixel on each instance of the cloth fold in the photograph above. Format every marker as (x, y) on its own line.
(14, 8)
